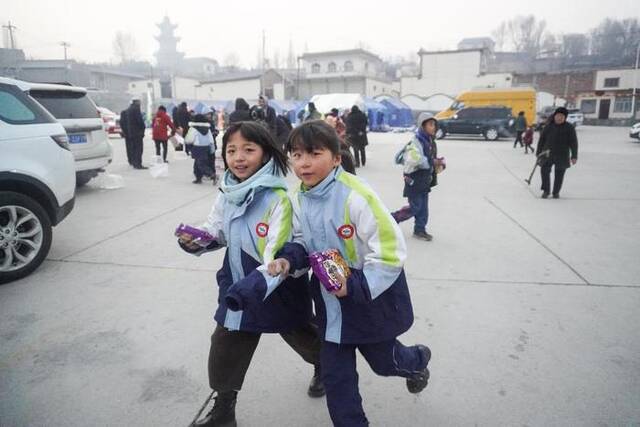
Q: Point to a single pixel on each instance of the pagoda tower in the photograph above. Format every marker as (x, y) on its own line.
(167, 55)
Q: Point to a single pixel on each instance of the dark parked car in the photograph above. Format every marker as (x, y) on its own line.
(490, 122)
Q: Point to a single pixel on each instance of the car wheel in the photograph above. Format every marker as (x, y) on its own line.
(82, 178)
(25, 235)
(440, 134)
(491, 134)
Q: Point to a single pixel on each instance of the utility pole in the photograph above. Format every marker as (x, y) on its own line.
(11, 28)
(264, 50)
(65, 45)
(635, 85)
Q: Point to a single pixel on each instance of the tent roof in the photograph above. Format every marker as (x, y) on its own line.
(396, 103)
(341, 101)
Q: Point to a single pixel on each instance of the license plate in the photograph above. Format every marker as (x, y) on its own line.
(77, 139)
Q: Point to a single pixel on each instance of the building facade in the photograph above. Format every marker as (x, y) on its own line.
(344, 71)
(610, 100)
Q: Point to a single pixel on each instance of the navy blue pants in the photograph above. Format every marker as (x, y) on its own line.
(340, 377)
(420, 208)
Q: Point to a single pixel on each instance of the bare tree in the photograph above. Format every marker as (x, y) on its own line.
(276, 59)
(527, 34)
(125, 47)
(615, 38)
(231, 61)
(291, 56)
(500, 36)
(574, 45)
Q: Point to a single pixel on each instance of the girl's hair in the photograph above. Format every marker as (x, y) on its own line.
(312, 135)
(258, 134)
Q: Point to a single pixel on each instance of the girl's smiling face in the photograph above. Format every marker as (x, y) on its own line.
(244, 158)
(313, 167)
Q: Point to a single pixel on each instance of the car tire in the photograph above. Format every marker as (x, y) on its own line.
(491, 134)
(82, 178)
(35, 229)
(440, 134)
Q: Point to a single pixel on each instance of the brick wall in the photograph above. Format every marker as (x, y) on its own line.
(564, 85)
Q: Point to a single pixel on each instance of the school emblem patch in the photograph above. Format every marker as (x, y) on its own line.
(262, 229)
(346, 231)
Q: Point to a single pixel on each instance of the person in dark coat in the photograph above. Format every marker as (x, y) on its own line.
(283, 129)
(135, 131)
(181, 119)
(357, 134)
(520, 127)
(313, 113)
(241, 113)
(124, 126)
(266, 114)
(559, 137)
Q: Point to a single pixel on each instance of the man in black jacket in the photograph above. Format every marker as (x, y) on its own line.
(136, 128)
(559, 137)
(124, 126)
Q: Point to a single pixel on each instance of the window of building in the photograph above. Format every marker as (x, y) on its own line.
(315, 68)
(612, 82)
(332, 67)
(588, 106)
(149, 85)
(366, 66)
(348, 66)
(622, 104)
(133, 85)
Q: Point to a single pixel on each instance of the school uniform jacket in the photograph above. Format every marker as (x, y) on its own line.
(343, 212)
(253, 232)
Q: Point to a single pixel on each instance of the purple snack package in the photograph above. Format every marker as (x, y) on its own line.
(327, 266)
(199, 236)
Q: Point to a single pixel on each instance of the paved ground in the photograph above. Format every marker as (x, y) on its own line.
(531, 306)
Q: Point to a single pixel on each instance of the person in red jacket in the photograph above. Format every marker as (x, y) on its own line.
(161, 122)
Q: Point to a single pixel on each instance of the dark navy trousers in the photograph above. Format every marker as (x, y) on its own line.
(340, 377)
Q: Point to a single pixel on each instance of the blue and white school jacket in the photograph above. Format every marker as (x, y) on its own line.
(253, 233)
(343, 212)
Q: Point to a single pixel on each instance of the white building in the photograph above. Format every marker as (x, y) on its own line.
(344, 71)
(172, 87)
(611, 98)
(451, 72)
(244, 84)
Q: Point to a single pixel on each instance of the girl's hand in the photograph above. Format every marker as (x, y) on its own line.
(186, 240)
(278, 267)
(342, 292)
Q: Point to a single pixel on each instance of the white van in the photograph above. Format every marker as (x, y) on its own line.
(88, 139)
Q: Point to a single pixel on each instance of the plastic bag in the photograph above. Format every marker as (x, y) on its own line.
(107, 181)
(177, 141)
(159, 169)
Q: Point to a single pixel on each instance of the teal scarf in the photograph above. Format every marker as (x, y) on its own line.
(266, 177)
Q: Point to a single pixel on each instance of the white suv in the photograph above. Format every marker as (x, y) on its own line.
(80, 117)
(37, 180)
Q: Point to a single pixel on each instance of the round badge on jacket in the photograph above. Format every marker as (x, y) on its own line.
(346, 231)
(262, 229)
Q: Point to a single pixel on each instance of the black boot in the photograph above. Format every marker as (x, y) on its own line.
(418, 381)
(316, 387)
(223, 413)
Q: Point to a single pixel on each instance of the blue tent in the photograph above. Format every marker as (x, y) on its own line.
(377, 114)
(399, 113)
(221, 105)
(201, 108)
(290, 106)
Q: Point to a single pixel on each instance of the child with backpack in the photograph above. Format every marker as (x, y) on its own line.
(372, 307)
(421, 166)
(252, 217)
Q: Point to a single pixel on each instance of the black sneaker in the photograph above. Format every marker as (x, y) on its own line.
(556, 195)
(196, 181)
(423, 235)
(223, 413)
(418, 381)
(316, 387)
(545, 195)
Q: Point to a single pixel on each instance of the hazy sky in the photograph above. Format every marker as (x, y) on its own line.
(217, 28)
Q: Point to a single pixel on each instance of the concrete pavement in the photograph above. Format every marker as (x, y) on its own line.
(530, 306)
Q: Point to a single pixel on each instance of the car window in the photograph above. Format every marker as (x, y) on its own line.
(18, 109)
(463, 114)
(66, 104)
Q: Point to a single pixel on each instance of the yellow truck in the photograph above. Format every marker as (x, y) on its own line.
(516, 98)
